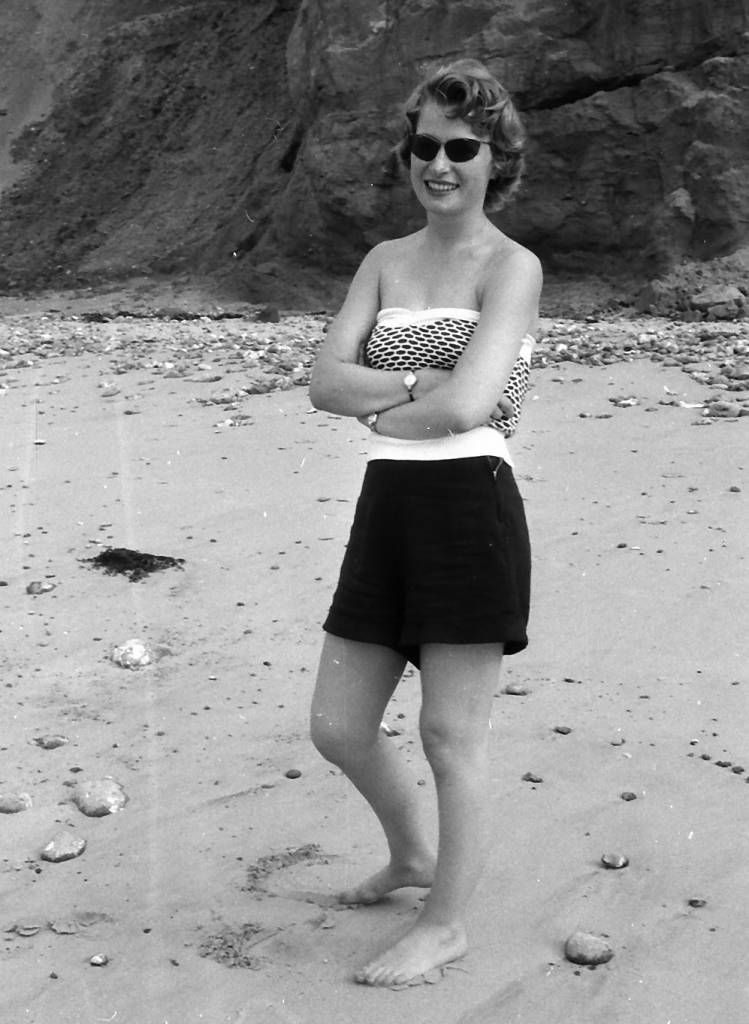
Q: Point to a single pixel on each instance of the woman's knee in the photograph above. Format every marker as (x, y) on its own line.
(339, 741)
(449, 746)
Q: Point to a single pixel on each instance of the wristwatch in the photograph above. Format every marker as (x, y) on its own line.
(410, 380)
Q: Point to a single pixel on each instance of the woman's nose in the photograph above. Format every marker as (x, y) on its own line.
(441, 162)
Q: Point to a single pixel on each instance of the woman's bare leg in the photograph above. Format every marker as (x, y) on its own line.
(458, 683)
(354, 684)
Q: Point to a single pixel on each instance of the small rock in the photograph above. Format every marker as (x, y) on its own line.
(614, 861)
(14, 803)
(293, 773)
(563, 730)
(532, 777)
(39, 587)
(50, 742)
(268, 315)
(64, 926)
(99, 960)
(26, 928)
(63, 846)
(516, 690)
(697, 903)
(629, 796)
(389, 730)
(725, 410)
(132, 654)
(99, 797)
(585, 948)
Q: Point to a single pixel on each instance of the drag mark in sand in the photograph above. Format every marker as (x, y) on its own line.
(273, 862)
(231, 946)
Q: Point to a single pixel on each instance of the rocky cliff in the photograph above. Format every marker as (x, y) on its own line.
(165, 136)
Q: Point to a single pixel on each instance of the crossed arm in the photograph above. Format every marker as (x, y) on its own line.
(445, 402)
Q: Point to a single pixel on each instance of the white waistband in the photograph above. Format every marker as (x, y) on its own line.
(479, 441)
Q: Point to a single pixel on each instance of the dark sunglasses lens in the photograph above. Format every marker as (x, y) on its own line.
(461, 150)
(424, 147)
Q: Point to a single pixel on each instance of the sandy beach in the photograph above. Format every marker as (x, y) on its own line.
(208, 897)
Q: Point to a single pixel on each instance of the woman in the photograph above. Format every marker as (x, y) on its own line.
(437, 570)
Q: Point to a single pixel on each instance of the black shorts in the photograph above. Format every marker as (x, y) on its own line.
(438, 553)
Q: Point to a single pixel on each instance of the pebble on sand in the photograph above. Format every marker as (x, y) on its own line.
(614, 860)
(516, 690)
(99, 797)
(697, 903)
(132, 654)
(629, 796)
(532, 777)
(51, 742)
(13, 803)
(586, 948)
(39, 587)
(293, 773)
(63, 846)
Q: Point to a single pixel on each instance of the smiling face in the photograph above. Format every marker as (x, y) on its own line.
(440, 185)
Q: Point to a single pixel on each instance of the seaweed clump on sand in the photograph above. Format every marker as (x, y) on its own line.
(136, 565)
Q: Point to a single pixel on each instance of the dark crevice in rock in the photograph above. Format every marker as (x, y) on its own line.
(292, 150)
(588, 86)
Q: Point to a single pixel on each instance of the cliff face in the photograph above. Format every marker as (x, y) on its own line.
(178, 133)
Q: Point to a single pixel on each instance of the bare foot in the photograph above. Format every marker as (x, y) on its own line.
(422, 949)
(419, 874)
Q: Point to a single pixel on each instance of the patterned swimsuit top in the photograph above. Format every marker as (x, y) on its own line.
(406, 339)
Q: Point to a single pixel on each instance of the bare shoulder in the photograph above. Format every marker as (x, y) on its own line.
(509, 260)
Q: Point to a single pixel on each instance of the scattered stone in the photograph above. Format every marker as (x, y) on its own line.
(132, 654)
(39, 587)
(532, 777)
(14, 803)
(614, 861)
(293, 773)
(629, 796)
(99, 960)
(697, 903)
(722, 409)
(389, 730)
(586, 948)
(50, 742)
(516, 690)
(64, 926)
(618, 741)
(99, 797)
(27, 929)
(63, 846)
(563, 730)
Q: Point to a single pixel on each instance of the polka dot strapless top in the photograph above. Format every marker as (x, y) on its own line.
(406, 339)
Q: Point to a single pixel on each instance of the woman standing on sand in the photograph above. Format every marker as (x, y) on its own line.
(435, 327)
